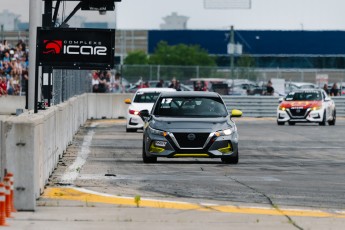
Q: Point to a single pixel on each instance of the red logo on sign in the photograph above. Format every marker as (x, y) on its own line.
(52, 46)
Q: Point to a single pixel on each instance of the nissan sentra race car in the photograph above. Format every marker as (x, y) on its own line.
(308, 105)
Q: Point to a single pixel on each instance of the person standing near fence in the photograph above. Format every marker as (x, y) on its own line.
(334, 91)
(269, 89)
(325, 88)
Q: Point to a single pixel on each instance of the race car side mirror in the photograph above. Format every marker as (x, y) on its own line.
(281, 99)
(327, 99)
(236, 113)
(144, 114)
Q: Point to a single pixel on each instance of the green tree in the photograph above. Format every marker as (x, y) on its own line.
(181, 54)
(246, 67)
(246, 61)
(137, 57)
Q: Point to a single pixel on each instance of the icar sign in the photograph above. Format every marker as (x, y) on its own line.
(76, 48)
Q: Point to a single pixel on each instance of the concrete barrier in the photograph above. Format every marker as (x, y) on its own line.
(107, 105)
(33, 144)
(9, 104)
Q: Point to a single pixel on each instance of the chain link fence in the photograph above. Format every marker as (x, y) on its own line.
(69, 83)
(133, 73)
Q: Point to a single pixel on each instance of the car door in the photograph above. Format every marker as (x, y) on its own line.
(327, 103)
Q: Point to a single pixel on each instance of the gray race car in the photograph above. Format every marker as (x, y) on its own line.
(190, 124)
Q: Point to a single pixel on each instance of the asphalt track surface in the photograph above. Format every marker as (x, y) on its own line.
(289, 171)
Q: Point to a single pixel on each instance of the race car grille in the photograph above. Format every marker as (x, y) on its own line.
(191, 140)
(298, 112)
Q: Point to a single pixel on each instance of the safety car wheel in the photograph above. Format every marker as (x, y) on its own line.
(280, 122)
(332, 122)
(323, 122)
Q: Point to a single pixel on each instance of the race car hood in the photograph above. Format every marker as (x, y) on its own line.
(192, 124)
(300, 104)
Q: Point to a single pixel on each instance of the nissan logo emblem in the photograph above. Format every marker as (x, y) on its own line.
(191, 137)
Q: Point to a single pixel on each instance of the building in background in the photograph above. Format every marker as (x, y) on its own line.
(174, 22)
(9, 20)
(76, 21)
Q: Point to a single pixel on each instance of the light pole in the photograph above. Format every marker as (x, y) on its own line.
(232, 43)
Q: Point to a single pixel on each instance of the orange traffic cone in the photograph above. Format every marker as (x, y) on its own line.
(10, 175)
(7, 196)
(2, 205)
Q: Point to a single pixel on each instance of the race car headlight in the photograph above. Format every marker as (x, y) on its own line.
(316, 108)
(158, 132)
(225, 132)
(282, 108)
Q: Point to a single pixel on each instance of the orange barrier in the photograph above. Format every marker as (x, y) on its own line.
(10, 175)
(7, 183)
(2, 205)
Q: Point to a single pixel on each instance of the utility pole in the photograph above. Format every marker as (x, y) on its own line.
(35, 21)
(232, 54)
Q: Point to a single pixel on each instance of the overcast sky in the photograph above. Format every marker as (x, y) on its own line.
(264, 14)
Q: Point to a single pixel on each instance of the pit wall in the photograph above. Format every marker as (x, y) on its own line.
(32, 144)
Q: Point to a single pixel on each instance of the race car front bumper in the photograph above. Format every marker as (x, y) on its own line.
(309, 116)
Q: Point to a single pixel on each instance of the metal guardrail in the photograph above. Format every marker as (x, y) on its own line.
(266, 106)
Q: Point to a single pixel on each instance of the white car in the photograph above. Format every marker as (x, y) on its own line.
(142, 99)
(291, 86)
(308, 105)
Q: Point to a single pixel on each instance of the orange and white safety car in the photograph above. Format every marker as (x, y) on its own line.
(308, 105)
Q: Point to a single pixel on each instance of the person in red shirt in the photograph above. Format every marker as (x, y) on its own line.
(3, 86)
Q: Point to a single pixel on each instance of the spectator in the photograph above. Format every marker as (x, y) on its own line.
(160, 84)
(325, 88)
(7, 68)
(102, 85)
(10, 86)
(173, 83)
(119, 87)
(334, 91)
(6, 57)
(146, 85)
(24, 81)
(3, 86)
(199, 87)
(95, 82)
(108, 80)
(178, 86)
(269, 89)
(4, 46)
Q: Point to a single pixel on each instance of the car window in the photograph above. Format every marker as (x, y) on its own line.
(142, 97)
(304, 96)
(190, 107)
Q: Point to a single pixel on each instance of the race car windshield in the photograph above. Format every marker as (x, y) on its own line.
(146, 97)
(190, 107)
(304, 96)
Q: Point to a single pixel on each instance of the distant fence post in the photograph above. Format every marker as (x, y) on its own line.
(158, 72)
(197, 71)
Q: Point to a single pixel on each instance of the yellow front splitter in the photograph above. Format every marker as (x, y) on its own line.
(191, 155)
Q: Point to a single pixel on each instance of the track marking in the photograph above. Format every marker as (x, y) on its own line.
(73, 170)
(84, 195)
